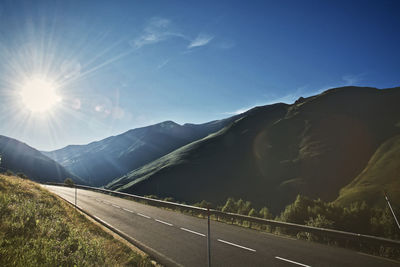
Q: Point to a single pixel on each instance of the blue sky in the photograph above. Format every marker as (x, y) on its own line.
(125, 64)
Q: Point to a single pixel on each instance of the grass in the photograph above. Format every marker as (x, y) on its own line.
(379, 175)
(39, 229)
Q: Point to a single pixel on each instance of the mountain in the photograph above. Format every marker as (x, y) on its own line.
(19, 157)
(313, 147)
(380, 174)
(100, 162)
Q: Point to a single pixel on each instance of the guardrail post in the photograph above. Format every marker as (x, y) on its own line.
(394, 215)
(208, 238)
(76, 196)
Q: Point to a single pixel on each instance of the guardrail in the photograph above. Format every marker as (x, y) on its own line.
(335, 234)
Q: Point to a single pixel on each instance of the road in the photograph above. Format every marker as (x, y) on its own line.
(181, 239)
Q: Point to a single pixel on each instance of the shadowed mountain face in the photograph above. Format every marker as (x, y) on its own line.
(100, 162)
(379, 175)
(19, 157)
(314, 147)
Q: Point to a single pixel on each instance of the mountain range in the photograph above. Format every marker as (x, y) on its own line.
(21, 158)
(342, 145)
(315, 147)
(100, 162)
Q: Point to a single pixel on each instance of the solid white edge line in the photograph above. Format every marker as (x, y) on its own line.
(236, 245)
(127, 210)
(294, 262)
(193, 232)
(116, 206)
(143, 215)
(170, 224)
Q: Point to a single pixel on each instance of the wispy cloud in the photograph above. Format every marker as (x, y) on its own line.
(352, 79)
(160, 29)
(200, 40)
(157, 30)
(163, 64)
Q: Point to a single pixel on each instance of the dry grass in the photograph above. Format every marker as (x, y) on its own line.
(38, 229)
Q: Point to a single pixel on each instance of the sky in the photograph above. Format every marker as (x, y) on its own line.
(120, 65)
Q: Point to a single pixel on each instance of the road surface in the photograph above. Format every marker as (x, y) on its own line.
(181, 239)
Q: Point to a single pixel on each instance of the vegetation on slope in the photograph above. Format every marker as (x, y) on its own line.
(39, 229)
(100, 162)
(381, 174)
(314, 147)
(19, 157)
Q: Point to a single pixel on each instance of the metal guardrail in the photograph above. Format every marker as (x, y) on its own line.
(219, 214)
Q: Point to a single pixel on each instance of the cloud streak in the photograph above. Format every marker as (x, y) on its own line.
(157, 30)
(160, 29)
(352, 79)
(201, 40)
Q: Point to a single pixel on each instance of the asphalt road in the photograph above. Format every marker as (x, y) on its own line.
(181, 239)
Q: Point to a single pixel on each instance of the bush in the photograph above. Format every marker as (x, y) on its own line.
(22, 175)
(69, 182)
(265, 214)
(9, 173)
(203, 204)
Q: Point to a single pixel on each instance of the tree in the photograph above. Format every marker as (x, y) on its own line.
(265, 214)
(22, 175)
(69, 182)
(230, 206)
(243, 207)
(253, 213)
(204, 204)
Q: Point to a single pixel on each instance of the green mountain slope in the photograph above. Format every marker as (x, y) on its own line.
(381, 173)
(19, 157)
(100, 162)
(314, 147)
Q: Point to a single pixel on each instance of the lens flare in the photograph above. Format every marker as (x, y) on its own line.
(39, 95)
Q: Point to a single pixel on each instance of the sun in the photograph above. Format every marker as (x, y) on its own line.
(39, 94)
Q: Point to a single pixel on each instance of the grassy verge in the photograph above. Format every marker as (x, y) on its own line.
(39, 229)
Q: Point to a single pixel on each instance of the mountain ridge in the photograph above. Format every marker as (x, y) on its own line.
(314, 147)
(101, 161)
(20, 157)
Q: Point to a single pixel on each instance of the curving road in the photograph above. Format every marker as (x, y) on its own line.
(181, 239)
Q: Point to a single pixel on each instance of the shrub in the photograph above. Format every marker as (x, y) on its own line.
(22, 175)
(69, 182)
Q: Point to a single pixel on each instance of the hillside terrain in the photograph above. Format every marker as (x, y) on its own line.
(100, 162)
(19, 157)
(380, 174)
(269, 155)
(39, 229)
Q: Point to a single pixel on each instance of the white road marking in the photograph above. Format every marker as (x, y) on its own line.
(294, 262)
(236, 245)
(193, 232)
(143, 215)
(127, 210)
(170, 224)
(116, 206)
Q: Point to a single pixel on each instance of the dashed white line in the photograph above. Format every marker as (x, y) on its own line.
(118, 207)
(191, 231)
(170, 224)
(143, 215)
(294, 262)
(236, 245)
(127, 210)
